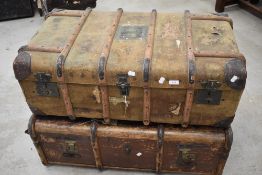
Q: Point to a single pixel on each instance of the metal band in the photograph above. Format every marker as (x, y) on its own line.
(191, 71)
(213, 18)
(146, 66)
(94, 144)
(102, 66)
(60, 65)
(40, 49)
(160, 142)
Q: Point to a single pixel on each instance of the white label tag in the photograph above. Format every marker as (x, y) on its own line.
(234, 78)
(161, 80)
(131, 73)
(173, 82)
(139, 154)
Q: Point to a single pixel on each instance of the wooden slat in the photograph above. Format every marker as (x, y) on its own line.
(60, 64)
(148, 58)
(102, 66)
(191, 71)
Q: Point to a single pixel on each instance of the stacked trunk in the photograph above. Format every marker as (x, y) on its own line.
(93, 87)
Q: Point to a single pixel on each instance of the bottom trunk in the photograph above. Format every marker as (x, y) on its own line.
(198, 150)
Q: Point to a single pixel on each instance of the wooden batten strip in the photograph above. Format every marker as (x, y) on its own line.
(71, 13)
(160, 143)
(191, 71)
(94, 144)
(218, 54)
(147, 60)
(41, 49)
(212, 18)
(34, 137)
(102, 66)
(60, 64)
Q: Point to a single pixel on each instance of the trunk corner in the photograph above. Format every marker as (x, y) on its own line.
(22, 65)
(236, 74)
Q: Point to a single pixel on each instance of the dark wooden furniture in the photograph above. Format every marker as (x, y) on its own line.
(12, 9)
(249, 5)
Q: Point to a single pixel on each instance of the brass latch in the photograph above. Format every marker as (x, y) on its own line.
(70, 147)
(186, 157)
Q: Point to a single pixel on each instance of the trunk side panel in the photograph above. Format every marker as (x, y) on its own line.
(211, 35)
(126, 146)
(169, 55)
(59, 27)
(128, 153)
(81, 66)
(54, 146)
(127, 55)
(129, 109)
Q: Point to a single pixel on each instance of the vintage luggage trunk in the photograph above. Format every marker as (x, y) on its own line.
(162, 149)
(45, 6)
(11, 9)
(167, 67)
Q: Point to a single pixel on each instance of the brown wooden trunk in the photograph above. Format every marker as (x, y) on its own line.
(198, 150)
(151, 67)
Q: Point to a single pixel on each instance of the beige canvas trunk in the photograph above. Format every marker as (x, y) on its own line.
(151, 67)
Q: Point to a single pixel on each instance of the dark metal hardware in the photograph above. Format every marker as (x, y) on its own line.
(210, 84)
(44, 87)
(123, 84)
(70, 149)
(186, 157)
(205, 96)
(210, 94)
(146, 69)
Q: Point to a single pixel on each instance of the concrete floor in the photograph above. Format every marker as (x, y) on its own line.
(17, 153)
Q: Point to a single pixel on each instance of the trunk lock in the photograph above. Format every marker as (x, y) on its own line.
(123, 84)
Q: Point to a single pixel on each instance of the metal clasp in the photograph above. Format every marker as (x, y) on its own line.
(123, 84)
(210, 84)
(210, 94)
(186, 157)
(70, 147)
(43, 85)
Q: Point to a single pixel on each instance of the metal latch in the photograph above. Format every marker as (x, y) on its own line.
(123, 84)
(70, 149)
(186, 157)
(43, 85)
(210, 84)
(210, 94)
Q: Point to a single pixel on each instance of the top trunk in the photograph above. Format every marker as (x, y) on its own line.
(167, 67)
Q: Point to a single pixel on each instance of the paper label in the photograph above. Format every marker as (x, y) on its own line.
(173, 82)
(131, 73)
(161, 80)
(234, 78)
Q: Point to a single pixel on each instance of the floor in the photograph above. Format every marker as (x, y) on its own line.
(17, 154)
